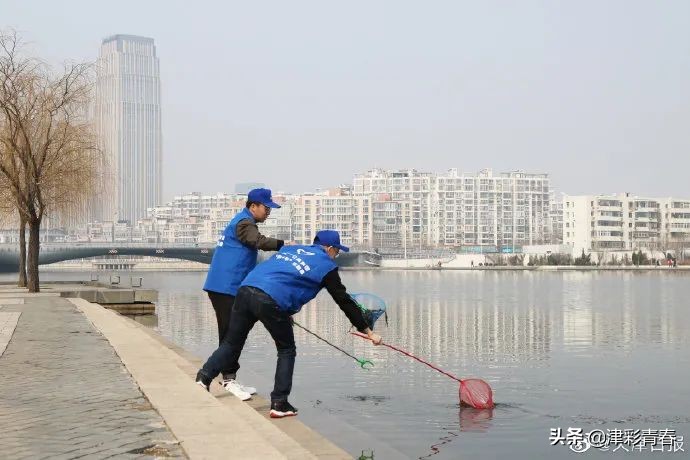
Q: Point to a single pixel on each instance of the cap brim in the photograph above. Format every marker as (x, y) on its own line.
(273, 205)
(341, 247)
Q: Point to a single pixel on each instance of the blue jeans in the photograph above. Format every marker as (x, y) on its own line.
(252, 305)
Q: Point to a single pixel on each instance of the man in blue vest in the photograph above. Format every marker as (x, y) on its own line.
(273, 292)
(234, 257)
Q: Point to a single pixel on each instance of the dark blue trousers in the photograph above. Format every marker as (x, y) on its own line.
(252, 305)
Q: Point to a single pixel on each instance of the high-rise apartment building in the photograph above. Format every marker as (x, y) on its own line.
(504, 211)
(479, 211)
(128, 121)
(413, 190)
(332, 210)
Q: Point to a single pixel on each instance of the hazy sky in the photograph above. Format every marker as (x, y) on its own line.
(303, 94)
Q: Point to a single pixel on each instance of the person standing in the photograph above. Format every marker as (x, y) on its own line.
(234, 257)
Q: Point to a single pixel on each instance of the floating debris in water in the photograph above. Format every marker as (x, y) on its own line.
(372, 398)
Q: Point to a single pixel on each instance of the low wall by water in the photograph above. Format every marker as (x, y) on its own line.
(457, 261)
(464, 262)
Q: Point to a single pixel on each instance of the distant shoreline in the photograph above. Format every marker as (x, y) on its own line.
(545, 268)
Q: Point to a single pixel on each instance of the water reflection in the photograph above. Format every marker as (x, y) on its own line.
(626, 310)
(470, 420)
(464, 324)
(475, 420)
(187, 318)
(150, 321)
(488, 318)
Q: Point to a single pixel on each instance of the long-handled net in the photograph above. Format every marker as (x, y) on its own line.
(473, 392)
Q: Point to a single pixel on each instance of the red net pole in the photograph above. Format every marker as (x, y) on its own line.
(474, 392)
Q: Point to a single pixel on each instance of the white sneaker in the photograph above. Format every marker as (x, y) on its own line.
(246, 388)
(236, 389)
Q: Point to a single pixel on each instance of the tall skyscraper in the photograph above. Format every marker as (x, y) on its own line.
(128, 120)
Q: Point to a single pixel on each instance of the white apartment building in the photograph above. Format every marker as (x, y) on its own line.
(216, 221)
(210, 215)
(201, 205)
(185, 231)
(601, 223)
(504, 211)
(410, 188)
(387, 228)
(279, 223)
(195, 204)
(110, 232)
(476, 211)
(348, 214)
(555, 219)
(675, 214)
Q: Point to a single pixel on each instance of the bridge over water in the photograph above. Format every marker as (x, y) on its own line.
(202, 252)
(57, 252)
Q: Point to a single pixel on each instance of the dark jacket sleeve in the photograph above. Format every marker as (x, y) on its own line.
(337, 290)
(248, 234)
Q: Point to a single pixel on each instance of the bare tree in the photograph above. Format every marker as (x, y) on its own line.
(7, 208)
(49, 149)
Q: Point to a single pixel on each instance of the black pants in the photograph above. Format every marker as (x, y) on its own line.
(222, 305)
(252, 305)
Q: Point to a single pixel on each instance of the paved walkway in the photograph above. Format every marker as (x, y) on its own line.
(64, 393)
(80, 381)
(8, 322)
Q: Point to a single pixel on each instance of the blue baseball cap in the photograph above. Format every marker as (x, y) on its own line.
(263, 196)
(329, 238)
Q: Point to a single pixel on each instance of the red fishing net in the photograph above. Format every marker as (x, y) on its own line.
(476, 393)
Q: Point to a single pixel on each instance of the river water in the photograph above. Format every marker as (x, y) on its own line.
(604, 351)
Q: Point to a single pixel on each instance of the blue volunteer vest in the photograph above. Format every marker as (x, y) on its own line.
(232, 260)
(293, 276)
